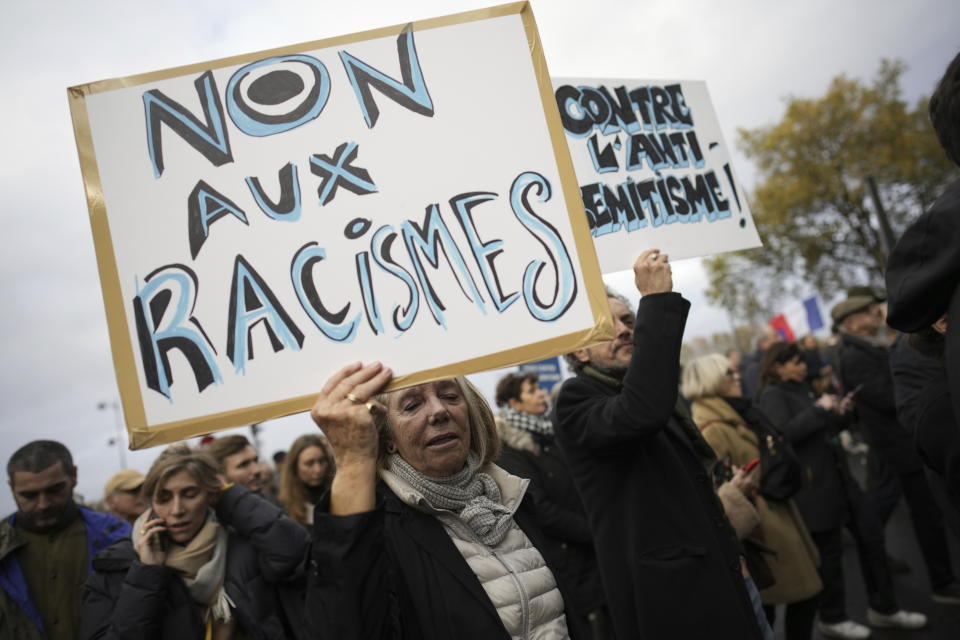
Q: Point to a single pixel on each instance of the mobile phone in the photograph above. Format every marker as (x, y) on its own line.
(158, 542)
(750, 465)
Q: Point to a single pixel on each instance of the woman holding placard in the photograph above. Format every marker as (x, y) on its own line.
(421, 534)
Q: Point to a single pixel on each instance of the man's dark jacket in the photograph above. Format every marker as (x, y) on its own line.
(394, 573)
(19, 617)
(125, 598)
(824, 499)
(668, 556)
(865, 368)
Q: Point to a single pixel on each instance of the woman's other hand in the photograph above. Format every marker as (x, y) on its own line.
(747, 482)
(828, 402)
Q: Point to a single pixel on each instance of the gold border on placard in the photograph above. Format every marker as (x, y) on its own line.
(128, 380)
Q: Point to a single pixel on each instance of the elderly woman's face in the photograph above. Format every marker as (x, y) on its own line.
(430, 427)
(183, 504)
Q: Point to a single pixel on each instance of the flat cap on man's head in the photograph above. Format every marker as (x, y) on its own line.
(877, 293)
(850, 306)
(125, 480)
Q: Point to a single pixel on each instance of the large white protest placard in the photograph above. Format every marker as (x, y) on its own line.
(653, 168)
(400, 195)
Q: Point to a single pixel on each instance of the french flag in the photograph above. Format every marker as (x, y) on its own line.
(799, 319)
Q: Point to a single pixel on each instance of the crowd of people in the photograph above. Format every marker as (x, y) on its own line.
(643, 500)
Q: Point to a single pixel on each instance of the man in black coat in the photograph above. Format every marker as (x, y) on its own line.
(865, 371)
(668, 556)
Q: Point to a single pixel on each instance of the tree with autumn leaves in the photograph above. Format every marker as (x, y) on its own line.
(813, 205)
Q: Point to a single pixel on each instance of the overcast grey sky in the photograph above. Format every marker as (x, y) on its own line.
(56, 358)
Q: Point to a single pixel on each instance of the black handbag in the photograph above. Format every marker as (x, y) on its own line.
(781, 474)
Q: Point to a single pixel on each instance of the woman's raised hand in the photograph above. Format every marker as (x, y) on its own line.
(345, 412)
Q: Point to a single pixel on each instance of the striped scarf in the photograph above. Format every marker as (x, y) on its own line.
(524, 421)
(473, 497)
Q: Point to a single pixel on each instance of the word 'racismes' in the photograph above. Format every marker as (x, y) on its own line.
(408, 254)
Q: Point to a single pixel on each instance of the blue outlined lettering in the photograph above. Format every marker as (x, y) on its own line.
(253, 302)
(257, 124)
(287, 206)
(565, 283)
(603, 161)
(411, 93)
(206, 205)
(382, 242)
(334, 325)
(339, 171)
(210, 138)
(633, 205)
(366, 289)
(483, 252)
(172, 287)
(429, 240)
(584, 108)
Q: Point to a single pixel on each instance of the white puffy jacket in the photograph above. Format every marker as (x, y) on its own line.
(513, 574)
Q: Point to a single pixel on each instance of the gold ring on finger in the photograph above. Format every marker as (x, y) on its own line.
(354, 399)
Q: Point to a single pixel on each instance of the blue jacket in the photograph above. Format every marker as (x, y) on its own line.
(102, 531)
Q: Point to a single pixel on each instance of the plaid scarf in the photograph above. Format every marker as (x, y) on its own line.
(533, 423)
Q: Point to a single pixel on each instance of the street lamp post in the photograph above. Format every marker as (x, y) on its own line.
(118, 441)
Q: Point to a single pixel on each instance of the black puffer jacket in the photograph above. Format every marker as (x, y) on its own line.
(394, 573)
(124, 598)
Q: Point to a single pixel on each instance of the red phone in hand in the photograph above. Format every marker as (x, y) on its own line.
(750, 465)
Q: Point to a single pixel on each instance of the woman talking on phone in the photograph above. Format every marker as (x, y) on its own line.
(202, 562)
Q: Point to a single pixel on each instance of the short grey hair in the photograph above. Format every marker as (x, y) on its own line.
(575, 363)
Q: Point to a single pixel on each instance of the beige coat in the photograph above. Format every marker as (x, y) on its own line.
(795, 563)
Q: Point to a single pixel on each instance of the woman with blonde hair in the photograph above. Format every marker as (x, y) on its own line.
(423, 536)
(203, 562)
(308, 471)
(732, 426)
